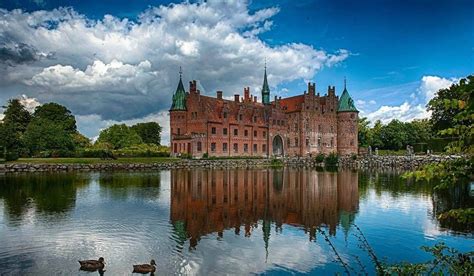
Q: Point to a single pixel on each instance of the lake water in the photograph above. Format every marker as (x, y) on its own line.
(199, 221)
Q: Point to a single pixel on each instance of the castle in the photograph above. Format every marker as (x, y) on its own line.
(302, 125)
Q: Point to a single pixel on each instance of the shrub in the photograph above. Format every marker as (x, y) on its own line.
(320, 158)
(332, 159)
(276, 162)
(11, 156)
(205, 155)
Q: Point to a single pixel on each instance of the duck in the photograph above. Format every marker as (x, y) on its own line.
(145, 268)
(92, 265)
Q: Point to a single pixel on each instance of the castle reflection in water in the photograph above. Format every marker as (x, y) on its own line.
(210, 201)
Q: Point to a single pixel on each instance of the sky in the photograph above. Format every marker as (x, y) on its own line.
(118, 61)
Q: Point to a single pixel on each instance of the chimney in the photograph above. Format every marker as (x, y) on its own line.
(246, 94)
(236, 98)
(311, 88)
(219, 95)
(254, 99)
(192, 86)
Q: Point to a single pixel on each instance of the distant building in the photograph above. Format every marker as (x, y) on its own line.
(302, 125)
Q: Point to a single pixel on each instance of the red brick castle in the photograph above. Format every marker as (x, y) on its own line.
(302, 125)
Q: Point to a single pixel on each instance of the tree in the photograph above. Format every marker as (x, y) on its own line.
(364, 132)
(119, 136)
(14, 125)
(394, 135)
(57, 114)
(149, 132)
(45, 135)
(375, 139)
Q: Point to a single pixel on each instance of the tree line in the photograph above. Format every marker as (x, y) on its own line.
(449, 128)
(51, 131)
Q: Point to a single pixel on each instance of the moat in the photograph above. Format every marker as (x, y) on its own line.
(219, 221)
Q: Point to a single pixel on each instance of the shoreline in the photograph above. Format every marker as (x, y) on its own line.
(389, 162)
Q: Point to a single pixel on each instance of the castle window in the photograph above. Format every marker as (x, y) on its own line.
(296, 142)
(213, 147)
(224, 131)
(332, 142)
(246, 133)
(273, 121)
(254, 133)
(213, 130)
(307, 142)
(225, 114)
(179, 131)
(224, 148)
(264, 134)
(352, 142)
(236, 132)
(199, 146)
(288, 142)
(254, 119)
(236, 147)
(254, 147)
(264, 148)
(175, 148)
(246, 147)
(240, 117)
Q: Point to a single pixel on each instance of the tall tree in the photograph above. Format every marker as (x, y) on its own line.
(45, 135)
(364, 132)
(119, 136)
(149, 132)
(16, 116)
(57, 114)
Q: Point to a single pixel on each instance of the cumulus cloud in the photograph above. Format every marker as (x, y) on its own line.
(120, 69)
(18, 53)
(413, 109)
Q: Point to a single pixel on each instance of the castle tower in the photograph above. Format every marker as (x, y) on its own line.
(347, 122)
(178, 117)
(265, 88)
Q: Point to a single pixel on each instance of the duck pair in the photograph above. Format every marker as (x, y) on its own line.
(93, 265)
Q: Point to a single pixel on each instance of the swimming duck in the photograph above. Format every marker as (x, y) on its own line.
(92, 265)
(145, 268)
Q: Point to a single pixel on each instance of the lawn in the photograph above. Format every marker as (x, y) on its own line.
(131, 160)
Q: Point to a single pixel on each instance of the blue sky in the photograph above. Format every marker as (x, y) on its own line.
(394, 54)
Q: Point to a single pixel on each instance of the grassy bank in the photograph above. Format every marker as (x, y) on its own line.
(126, 160)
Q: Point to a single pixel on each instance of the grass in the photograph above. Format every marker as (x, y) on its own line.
(127, 160)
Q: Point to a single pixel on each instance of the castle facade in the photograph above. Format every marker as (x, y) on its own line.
(303, 125)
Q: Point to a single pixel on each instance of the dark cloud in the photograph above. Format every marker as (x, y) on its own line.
(19, 53)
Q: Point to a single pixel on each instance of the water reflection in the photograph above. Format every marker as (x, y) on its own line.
(47, 194)
(208, 201)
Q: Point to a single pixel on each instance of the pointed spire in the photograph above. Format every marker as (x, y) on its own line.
(179, 97)
(265, 88)
(345, 101)
(345, 82)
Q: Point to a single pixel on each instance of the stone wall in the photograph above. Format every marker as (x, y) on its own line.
(372, 162)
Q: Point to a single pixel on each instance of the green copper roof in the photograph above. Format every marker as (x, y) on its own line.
(346, 104)
(179, 97)
(265, 89)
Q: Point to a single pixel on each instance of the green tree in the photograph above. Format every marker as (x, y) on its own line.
(375, 139)
(16, 116)
(119, 136)
(57, 114)
(45, 135)
(364, 132)
(149, 132)
(394, 135)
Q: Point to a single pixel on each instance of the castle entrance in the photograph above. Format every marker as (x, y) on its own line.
(277, 146)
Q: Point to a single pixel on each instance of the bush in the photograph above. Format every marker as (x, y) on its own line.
(11, 156)
(354, 156)
(276, 162)
(205, 155)
(332, 159)
(320, 158)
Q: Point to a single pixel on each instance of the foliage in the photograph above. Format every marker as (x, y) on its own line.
(354, 156)
(464, 216)
(444, 259)
(364, 132)
(45, 135)
(275, 162)
(320, 158)
(57, 114)
(149, 132)
(332, 159)
(81, 141)
(16, 116)
(205, 155)
(119, 136)
(449, 173)
(453, 114)
(143, 150)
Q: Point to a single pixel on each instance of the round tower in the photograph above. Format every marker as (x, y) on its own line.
(178, 119)
(347, 125)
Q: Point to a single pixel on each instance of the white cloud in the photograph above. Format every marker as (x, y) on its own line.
(416, 108)
(120, 69)
(117, 70)
(29, 103)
